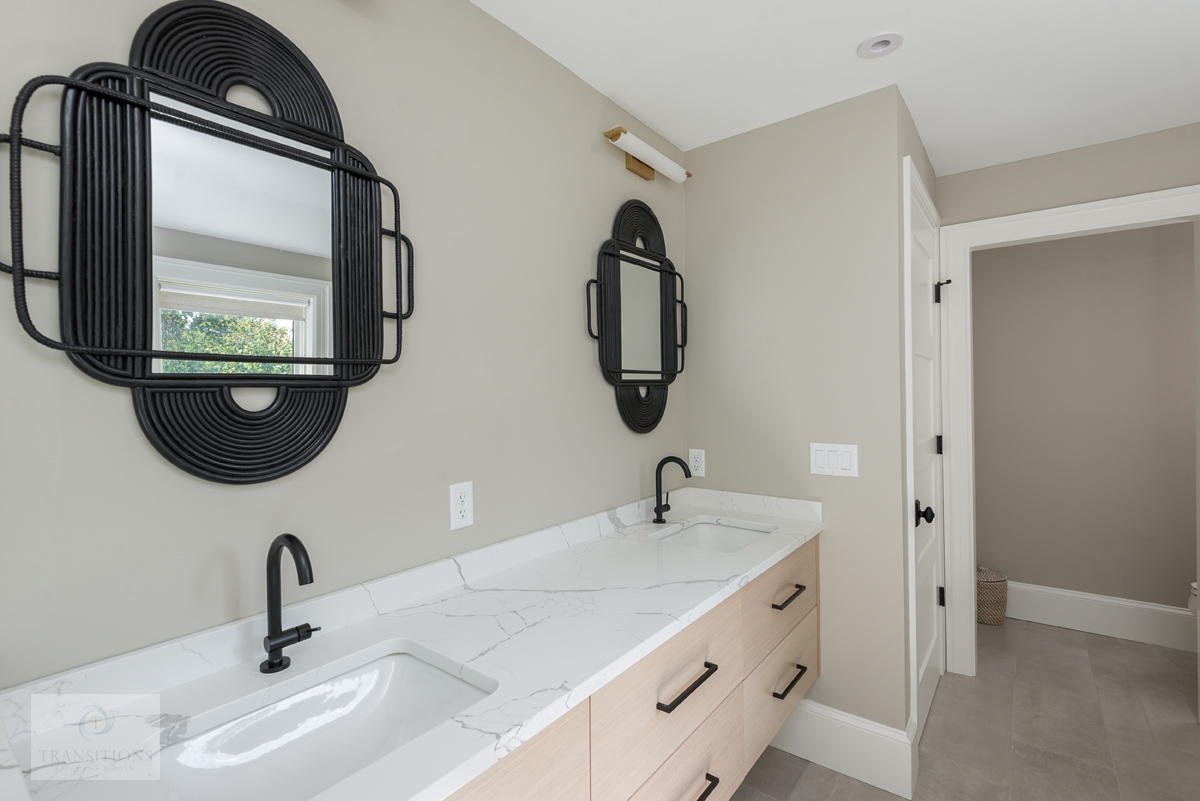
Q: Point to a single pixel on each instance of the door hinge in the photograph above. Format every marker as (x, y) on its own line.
(941, 596)
(937, 290)
(939, 443)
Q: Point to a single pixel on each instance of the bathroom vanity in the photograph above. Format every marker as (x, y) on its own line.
(607, 659)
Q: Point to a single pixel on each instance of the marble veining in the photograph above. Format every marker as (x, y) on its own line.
(546, 619)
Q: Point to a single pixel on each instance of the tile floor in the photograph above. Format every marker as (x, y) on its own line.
(1053, 715)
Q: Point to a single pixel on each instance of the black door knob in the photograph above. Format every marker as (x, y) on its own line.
(927, 515)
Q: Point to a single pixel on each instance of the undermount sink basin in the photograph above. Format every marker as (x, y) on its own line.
(718, 534)
(298, 746)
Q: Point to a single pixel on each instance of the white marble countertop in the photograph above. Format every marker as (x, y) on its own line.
(550, 618)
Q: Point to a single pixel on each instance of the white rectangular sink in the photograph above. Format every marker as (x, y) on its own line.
(310, 740)
(720, 534)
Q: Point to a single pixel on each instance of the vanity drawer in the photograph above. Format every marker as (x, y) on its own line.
(765, 713)
(763, 626)
(631, 736)
(715, 749)
(553, 766)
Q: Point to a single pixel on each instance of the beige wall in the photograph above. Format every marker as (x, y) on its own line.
(1148, 163)
(793, 242)
(105, 547)
(1085, 413)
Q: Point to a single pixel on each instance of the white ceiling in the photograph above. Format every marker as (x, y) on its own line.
(987, 81)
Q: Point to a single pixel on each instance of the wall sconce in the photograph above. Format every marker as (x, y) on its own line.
(643, 160)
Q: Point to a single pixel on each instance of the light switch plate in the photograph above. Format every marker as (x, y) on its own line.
(825, 459)
(462, 505)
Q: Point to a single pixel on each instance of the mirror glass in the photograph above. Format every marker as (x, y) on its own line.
(242, 247)
(641, 321)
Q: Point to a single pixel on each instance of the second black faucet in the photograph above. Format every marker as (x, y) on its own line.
(659, 505)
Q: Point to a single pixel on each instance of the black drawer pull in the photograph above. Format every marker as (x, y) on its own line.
(800, 588)
(713, 781)
(793, 683)
(710, 669)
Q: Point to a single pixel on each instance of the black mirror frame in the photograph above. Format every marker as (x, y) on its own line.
(196, 51)
(636, 221)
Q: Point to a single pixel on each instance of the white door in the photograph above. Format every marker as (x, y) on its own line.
(926, 618)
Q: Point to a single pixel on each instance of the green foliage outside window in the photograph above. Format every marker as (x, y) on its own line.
(196, 332)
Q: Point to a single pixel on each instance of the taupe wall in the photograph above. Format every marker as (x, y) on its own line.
(105, 547)
(1148, 163)
(793, 242)
(1085, 413)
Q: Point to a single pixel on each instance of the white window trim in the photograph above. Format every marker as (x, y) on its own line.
(312, 336)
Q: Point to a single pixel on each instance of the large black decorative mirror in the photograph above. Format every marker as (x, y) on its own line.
(641, 319)
(217, 233)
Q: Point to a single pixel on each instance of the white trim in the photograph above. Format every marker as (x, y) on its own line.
(1169, 626)
(958, 242)
(856, 747)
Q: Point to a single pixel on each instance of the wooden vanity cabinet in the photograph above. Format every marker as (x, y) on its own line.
(621, 746)
(631, 736)
(554, 766)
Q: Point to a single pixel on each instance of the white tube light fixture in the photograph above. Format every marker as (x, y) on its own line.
(643, 160)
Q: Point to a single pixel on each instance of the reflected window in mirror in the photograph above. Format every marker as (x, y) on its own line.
(242, 250)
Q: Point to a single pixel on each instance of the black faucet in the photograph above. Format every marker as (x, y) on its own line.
(276, 639)
(661, 507)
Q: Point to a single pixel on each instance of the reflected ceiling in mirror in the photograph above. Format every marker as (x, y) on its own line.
(241, 250)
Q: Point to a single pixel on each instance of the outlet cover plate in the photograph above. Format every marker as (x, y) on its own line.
(825, 459)
(462, 505)
(696, 462)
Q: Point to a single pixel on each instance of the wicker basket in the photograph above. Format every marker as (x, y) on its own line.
(991, 596)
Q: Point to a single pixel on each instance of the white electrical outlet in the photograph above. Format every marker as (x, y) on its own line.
(833, 460)
(462, 505)
(696, 462)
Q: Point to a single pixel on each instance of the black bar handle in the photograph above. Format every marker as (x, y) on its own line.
(800, 588)
(713, 781)
(587, 293)
(793, 683)
(710, 669)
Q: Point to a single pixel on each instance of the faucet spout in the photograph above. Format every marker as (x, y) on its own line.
(659, 505)
(277, 639)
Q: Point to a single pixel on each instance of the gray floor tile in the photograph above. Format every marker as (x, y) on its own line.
(1149, 772)
(1172, 721)
(853, 790)
(970, 724)
(817, 783)
(999, 638)
(1133, 663)
(1183, 660)
(776, 773)
(1056, 665)
(1060, 721)
(943, 779)
(1121, 707)
(1035, 634)
(1038, 775)
(748, 793)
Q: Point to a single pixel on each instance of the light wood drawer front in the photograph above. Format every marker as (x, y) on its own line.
(764, 712)
(553, 766)
(715, 749)
(764, 627)
(631, 737)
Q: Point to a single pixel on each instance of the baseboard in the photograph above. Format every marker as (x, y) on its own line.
(856, 747)
(1169, 626)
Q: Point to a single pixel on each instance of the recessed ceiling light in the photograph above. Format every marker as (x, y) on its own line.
(880, 44)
